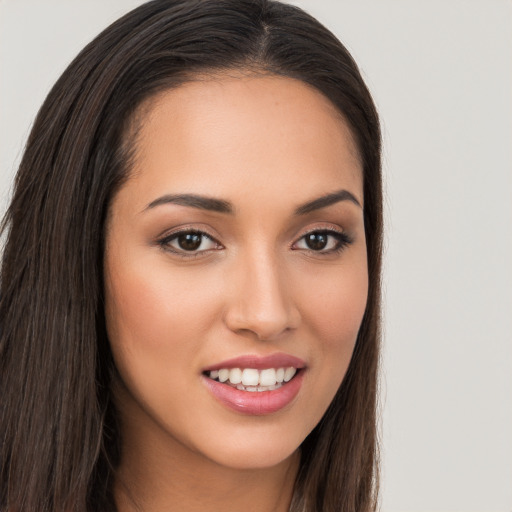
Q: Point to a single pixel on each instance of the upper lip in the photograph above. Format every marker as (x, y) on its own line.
(278, 360)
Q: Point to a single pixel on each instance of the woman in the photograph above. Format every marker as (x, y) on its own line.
(190, 283)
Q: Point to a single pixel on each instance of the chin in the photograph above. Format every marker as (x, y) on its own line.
(253, 456)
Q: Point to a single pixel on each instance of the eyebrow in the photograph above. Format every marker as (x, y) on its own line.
(194, 201)
(221, 206)
(327, 200)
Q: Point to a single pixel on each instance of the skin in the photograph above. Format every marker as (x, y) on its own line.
(267, 145)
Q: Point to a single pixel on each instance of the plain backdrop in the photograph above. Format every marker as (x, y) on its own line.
(441, 74)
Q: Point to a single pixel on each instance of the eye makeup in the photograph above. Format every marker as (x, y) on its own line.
(190, 242)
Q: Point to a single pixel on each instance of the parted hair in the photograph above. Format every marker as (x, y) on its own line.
(59, 436)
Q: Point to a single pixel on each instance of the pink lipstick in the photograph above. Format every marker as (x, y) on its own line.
(278, 360)
(256, 385)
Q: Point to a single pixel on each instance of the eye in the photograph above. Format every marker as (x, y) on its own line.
(189, 241)
(323, 241)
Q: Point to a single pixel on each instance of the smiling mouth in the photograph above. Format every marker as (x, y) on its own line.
(253, 380)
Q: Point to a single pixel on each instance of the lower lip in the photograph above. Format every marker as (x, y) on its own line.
(255, 403)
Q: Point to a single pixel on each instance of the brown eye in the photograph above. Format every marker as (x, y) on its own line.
(194, 242)
(316, 241)
(190, 241)
(323, 241)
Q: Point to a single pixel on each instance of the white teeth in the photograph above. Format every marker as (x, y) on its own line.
(223, 375)
(235, 376)
(268, 377)
(289, 373)
(250, 377)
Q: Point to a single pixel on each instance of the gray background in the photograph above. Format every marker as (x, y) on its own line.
(441, 74)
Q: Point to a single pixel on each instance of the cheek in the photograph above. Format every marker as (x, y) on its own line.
(153, 302)
(334, 316)
(336, 308)
(156, 319)
(342, 313)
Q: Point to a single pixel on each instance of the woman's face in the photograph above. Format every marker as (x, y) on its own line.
(236, 250)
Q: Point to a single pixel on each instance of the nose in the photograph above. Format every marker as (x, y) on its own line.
(261, 303)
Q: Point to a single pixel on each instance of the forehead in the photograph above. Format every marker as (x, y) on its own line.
(252, 133)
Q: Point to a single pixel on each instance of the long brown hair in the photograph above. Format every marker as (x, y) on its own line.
(58, 432)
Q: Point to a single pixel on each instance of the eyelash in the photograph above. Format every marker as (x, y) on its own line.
(164, 242)
(342, 241)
